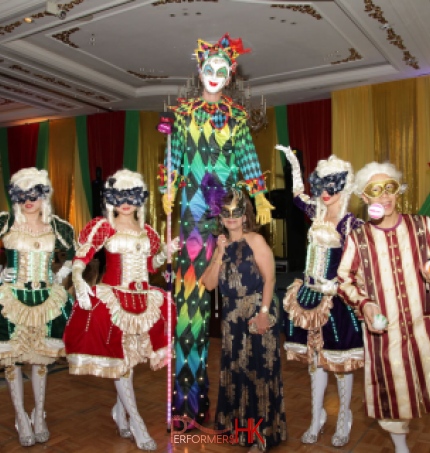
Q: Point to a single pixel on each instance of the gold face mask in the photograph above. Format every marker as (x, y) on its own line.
(235, 209)
(376, 189)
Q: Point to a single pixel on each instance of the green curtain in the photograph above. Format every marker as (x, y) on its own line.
(81, 132)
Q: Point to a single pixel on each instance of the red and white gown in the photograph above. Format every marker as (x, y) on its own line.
(127, 324)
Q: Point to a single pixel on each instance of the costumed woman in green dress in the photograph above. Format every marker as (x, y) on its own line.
(210, 137)
(34, 306)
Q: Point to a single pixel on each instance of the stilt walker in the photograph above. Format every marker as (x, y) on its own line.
(210, 136)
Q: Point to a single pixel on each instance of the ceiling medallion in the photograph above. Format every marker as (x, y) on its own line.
(353, 56)
(375, 12)
(147, 76)
(304, 9)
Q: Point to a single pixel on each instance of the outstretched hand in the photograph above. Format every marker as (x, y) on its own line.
(263, 208)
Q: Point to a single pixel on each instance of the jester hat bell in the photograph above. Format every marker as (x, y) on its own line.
(227, 48)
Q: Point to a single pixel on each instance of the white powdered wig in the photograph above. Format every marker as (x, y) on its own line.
(26, 179)
(124, 180)
(328, 167)
(374, 168)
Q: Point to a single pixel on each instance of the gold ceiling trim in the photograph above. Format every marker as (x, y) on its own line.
(93, 94)
(4, 101)
(64, 37)
(375, 12)
(147, 76)
(304, 9)
(11, 27)
(353, 56)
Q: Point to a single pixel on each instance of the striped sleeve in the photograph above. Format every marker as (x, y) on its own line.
(350, 276)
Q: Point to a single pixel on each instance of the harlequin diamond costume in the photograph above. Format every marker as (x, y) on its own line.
(210, 136)
(320, 328)
(34, 306)
(121, 321)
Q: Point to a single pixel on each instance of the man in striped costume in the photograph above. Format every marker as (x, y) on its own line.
(382, 276)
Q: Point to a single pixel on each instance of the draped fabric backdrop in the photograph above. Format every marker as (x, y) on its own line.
(309, 126)
(388, 121)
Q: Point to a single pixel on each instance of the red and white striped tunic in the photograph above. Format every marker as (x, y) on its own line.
(383, 266)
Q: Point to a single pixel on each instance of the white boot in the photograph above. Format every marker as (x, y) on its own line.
(399, 441)
(319, 379)
(124, 387)
(344, 418)
(22, 421)
(119, 416)
(39, 373)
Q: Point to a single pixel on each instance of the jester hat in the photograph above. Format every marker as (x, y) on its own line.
(227, 48)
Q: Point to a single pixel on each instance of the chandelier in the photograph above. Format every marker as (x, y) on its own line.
(236, 90)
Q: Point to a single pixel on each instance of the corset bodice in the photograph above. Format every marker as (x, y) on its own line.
(323, 250)
(126, 258)
(30, 254)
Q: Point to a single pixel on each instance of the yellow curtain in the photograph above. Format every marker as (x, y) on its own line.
(79, 213)
(265, 141)
(395, 133)
(423, 138)
(352, 131)
(151, 153)
(61, 163)
(388, 121)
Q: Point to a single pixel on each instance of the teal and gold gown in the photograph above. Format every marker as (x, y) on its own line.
(34, 309)
(207, 138)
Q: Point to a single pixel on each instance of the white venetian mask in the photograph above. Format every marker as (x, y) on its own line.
(215, 74)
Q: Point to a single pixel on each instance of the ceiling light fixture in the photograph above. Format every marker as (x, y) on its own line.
(28, 20)
(52, 7)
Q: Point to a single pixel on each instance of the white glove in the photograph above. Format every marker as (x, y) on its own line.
(296, 172)
(8, 275)
(63, 272)
(82, 289)
(161, 257)
(327, 287)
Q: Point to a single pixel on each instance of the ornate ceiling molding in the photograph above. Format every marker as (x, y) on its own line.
(304, 9)
(147, 76)
(353, 56)
(64, 37)
(14, 25)
(375, 12)
(4, 101)
(163, 2)
(51, 80)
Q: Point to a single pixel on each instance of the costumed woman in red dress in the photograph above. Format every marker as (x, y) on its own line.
(120, 322)
(34, 306)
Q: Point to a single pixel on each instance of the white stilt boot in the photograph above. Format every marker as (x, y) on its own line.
(39, 373)
(119, 416)
(344, 418)
(22, 421)
(319, 379)
(399, 441)
(124, 387)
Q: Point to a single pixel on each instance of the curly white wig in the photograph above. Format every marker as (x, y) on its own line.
(26, 179)
(123, 180)
(374, 168)
(331, 166)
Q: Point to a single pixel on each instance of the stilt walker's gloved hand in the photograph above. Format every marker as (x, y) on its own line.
(168, 201)
(298, 186)
(82, 289)
(263, 208)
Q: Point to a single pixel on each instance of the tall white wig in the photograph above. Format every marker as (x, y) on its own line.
(26, 179)
(125, 180)
(330, 166)
(374, 168)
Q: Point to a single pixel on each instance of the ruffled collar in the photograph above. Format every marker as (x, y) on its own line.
(218, 113)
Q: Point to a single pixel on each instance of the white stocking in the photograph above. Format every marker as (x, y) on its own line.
(319, 379)
(39, 374)
(22, 421)
(399, 441)
(120, 417)
(124, 387)
(344, 420)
